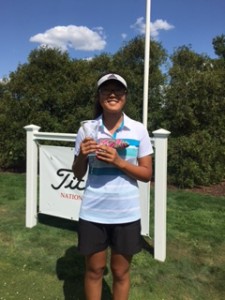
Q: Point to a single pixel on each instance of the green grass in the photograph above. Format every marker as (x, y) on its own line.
(43, 263)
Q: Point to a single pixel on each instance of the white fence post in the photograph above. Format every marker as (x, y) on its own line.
(31, 176)
(160, 193)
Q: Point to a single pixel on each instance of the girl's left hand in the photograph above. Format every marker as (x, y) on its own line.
(107, 154)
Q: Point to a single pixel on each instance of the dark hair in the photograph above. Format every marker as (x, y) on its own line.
(98, 110)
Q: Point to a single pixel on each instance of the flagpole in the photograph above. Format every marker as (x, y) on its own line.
(146, 63)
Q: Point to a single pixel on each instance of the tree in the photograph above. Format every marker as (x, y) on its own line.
(130, 59)
(194, 101)
(41, 92)
(219, 45)
(12, 137)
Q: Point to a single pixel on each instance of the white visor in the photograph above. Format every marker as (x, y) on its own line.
(111, 77)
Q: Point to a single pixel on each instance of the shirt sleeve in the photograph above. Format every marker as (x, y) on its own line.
(79, 139)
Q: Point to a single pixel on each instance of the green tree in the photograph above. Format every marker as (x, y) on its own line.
(193, 113)
(42, 92)
(129, 61)
(219, 45)
(12, 137)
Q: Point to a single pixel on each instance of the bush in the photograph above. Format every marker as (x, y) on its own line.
(197, 159)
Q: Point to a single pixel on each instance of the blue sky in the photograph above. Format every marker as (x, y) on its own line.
(89, 27)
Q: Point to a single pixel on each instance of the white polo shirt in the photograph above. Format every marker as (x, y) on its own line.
(111, 196)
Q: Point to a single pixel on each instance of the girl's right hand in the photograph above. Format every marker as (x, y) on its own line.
(88, 146)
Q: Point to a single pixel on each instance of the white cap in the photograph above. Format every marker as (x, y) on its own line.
(111, 76)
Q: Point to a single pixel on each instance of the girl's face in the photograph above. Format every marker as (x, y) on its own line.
(112, 96)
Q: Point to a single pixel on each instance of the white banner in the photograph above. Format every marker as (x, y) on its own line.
(61, 193)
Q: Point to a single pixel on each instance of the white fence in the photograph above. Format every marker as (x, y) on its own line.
(160, 190)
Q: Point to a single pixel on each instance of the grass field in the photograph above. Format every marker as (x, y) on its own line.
(43, 263)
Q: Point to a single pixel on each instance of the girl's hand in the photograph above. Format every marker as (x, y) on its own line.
(107, 154)
(87, 146)
(142, 171)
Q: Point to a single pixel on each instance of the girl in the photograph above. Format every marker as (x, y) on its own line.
(110, 210)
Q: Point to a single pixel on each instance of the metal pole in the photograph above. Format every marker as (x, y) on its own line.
(146, 64)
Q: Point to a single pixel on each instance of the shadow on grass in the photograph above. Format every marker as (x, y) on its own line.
(147, 246)
(58, 222)
(70, 269)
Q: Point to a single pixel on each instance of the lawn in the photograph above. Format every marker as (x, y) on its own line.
(43, 263)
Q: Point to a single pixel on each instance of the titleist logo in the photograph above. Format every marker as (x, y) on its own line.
(68, 181)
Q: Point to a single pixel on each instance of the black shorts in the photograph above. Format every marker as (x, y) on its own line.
(122, 238)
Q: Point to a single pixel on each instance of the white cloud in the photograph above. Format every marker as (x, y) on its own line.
(76, 37)
(124, 36)
(139, 25)
(90, 58)
(4, 80)
(155, 27)
(159, 25)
